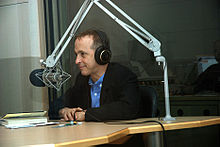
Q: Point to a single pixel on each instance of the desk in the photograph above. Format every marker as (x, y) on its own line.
(93, 133)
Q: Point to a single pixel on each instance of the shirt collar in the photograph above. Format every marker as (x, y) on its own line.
(100, 80)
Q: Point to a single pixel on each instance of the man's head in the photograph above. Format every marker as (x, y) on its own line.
(92, 51)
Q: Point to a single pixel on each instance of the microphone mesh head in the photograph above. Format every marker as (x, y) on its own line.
(34, 79)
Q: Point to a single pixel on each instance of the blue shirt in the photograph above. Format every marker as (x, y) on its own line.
(95, 91)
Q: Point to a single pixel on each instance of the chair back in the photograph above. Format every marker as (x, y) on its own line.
(149, 101)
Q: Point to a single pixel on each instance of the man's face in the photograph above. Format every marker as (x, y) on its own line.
(85, 56)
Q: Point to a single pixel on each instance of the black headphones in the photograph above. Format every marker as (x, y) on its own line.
(103, 53)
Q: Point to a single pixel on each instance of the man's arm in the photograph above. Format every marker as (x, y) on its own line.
(74, 101)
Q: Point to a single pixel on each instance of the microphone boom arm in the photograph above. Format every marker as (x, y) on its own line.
(52, 59)
(140, 34)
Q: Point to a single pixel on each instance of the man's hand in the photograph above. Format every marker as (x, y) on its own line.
(80, 116)
(69, 113)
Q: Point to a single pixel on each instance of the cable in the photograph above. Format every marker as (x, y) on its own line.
(148, 121)
(115, 122)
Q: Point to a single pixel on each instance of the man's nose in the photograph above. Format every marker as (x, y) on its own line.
(78, 60)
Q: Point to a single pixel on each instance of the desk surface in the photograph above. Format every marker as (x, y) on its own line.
(93, 133)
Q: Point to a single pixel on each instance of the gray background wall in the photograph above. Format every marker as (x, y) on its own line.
(20, 51)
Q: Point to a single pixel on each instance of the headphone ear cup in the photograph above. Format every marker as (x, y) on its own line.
(102, 56)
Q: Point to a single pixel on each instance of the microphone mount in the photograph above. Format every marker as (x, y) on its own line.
(53, 77)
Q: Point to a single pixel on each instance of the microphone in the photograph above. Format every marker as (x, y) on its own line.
(52, 77)
(35, 80)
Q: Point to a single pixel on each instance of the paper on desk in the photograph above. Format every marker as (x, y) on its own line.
(25, 114)
(30, 125)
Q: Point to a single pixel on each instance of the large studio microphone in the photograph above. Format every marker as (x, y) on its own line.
(51, 77)
(34, 79)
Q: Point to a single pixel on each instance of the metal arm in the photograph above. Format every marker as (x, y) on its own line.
(139, 33)
(52, 59)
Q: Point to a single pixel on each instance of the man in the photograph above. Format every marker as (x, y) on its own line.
(103, 90)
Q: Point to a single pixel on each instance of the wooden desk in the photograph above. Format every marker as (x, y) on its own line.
(93, 133)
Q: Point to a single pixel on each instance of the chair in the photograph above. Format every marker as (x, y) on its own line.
(149, 101)
(150, 109)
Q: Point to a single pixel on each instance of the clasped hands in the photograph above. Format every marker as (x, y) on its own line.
(72, 114)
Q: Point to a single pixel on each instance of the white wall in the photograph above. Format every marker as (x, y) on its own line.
(21, 45)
